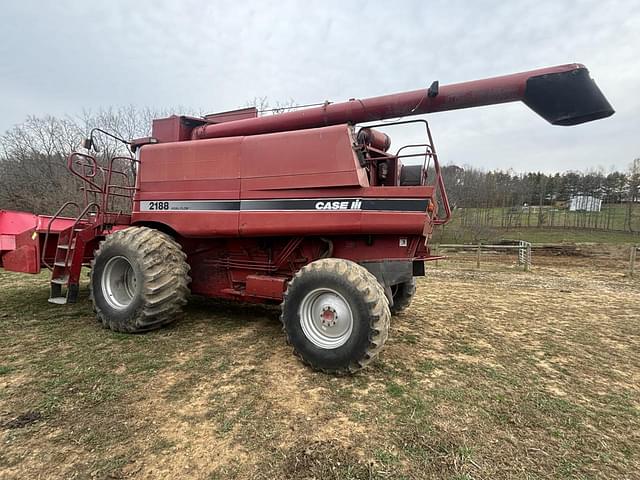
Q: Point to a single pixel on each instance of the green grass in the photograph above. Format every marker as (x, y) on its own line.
(394, 390)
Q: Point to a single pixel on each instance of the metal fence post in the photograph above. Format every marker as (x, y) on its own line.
(478, 254)
(632, 260)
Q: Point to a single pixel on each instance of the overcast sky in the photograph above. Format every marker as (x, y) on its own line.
(60, 57)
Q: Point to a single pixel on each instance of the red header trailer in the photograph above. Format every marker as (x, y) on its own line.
(301, 207)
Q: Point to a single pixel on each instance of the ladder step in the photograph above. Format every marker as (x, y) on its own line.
(58, 300)
(61, 280)
(59, 264)
(66, 247)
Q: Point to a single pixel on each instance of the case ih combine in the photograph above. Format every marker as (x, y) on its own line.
(301, 208)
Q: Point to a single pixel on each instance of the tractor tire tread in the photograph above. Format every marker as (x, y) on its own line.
(375, 299)
(166, 279)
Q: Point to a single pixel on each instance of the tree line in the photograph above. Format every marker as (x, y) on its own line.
(534, 199)
(33, 154)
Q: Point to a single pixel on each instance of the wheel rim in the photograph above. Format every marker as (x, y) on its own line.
(119, 284)
(326, 318)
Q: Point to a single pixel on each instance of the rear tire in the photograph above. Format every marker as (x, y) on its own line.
(139, 280)
(335, 315)
(403, 294)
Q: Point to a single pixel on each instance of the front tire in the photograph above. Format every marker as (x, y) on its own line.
(335, 315)
(139, 280)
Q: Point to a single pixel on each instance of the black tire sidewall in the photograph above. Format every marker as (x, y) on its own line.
(403, 296)
(355, 347)
(121, 317)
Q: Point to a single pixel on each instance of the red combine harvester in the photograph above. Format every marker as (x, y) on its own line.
(299, 207)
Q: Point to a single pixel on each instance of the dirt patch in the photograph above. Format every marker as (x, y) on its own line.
(23, 420)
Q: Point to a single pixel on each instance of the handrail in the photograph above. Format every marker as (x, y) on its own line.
(109, 187)
(84, 176)
(443, 194)
(48, 232)
(101, 186)
(430, 153)
(79, 218)
(73, 228)
(440, 181)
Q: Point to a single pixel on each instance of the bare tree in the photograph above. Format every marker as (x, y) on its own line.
(33, 154)
(265, 108)
(633, 195)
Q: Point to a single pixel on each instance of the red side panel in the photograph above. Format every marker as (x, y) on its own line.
(203, 170)
(24, 259)
(13, 223)
(209, 169)
(196, 187)
(272, 185)
(316, 158)
(264, 286)
(337, 222)
(19, 242)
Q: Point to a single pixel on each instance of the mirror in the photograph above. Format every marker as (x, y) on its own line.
(90, 144)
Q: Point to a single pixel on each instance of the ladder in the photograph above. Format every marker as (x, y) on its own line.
(69, 254)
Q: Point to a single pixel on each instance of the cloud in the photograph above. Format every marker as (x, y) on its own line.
(61, 57)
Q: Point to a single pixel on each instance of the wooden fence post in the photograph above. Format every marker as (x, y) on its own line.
(632, 260)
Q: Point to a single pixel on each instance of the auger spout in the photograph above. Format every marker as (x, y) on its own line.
(562, 95)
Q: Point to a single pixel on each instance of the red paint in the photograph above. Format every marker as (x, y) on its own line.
(263, 286)
(23, 259)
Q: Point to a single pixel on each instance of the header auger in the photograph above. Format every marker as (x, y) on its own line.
(300, 208)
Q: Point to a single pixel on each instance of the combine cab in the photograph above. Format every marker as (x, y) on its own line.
(303, 208)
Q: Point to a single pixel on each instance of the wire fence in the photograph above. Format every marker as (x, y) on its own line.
(523, 251)
(610, 217)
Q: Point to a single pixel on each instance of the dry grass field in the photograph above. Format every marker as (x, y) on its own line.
(493, 373)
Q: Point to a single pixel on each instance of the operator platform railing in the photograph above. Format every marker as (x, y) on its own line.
(103, 185)
(428, 155)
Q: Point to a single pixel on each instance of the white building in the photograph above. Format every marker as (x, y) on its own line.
(585, 203)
